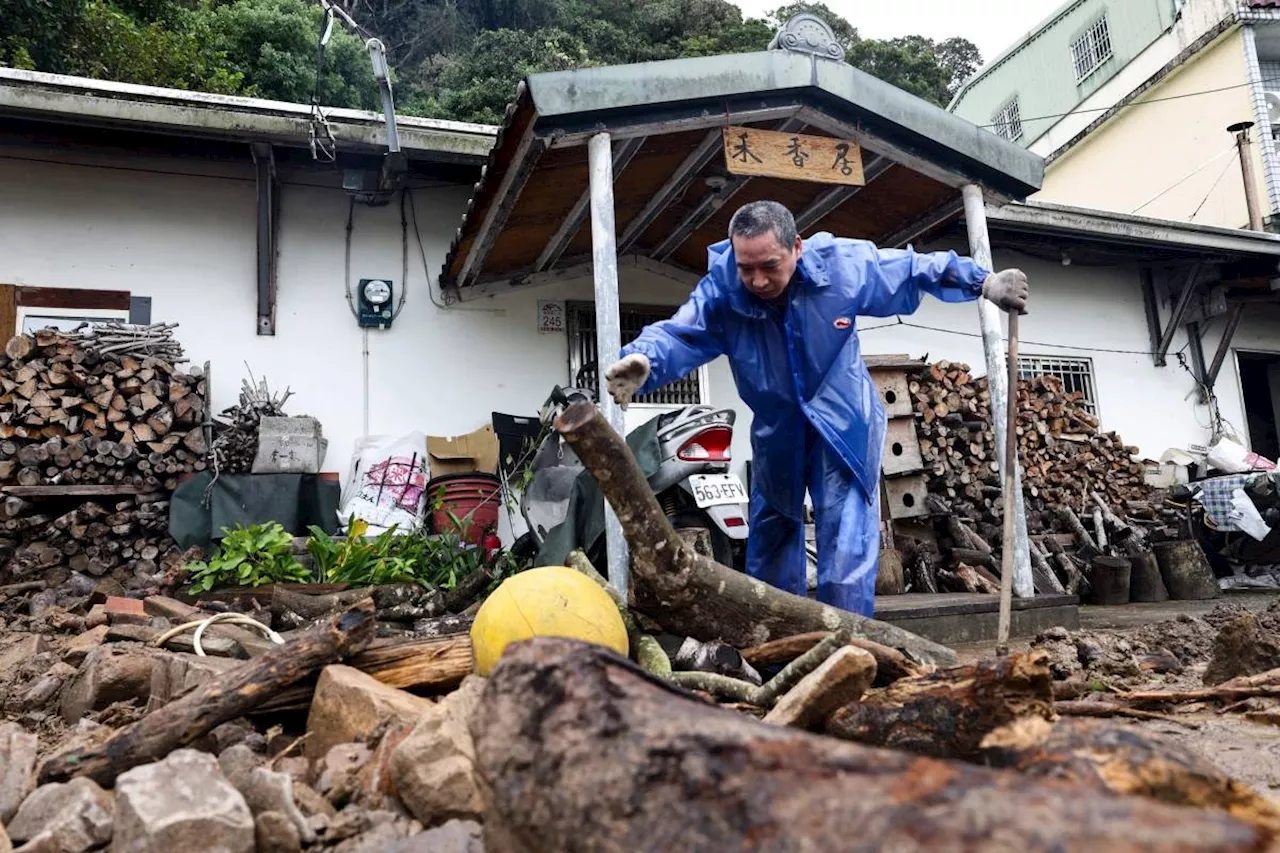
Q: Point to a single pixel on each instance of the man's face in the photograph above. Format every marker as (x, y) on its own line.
(765, 265)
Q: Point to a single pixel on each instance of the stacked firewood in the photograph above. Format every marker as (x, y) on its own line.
(1064, 457)
(125, 536)
(236, 444)
(76, 410)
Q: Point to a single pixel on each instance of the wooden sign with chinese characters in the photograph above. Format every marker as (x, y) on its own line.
(749, 151)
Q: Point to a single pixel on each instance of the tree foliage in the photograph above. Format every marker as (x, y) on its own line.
(457, 59)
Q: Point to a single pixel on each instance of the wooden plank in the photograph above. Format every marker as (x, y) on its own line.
(793, 156)
(75, 491)
(73, 297)
(8, 311)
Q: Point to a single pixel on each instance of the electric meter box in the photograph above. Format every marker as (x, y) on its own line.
(374, 303)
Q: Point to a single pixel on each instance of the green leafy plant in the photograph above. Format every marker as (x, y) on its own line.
(249, 556)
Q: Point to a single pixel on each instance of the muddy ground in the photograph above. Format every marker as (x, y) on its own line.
(1170, 646)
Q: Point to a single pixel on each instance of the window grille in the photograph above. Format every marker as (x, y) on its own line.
(1091, 49)
(1076, 375)
(581, 318)
(1007, 123)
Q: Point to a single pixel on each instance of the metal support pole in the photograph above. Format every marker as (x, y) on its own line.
(975, 215)
(604, 267)
(1251, 202)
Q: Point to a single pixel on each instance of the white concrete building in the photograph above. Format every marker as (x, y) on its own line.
(117, 198)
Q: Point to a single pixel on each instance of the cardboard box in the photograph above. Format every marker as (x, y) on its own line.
(463, 454)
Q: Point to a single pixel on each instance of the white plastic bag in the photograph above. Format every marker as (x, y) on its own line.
(1231, 457)
(387, 482)
(1246, 517)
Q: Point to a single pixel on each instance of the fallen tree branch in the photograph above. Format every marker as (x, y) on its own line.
(1072, 708)
(946, 714)
(580, 751)
(690, 595)
(224, 697)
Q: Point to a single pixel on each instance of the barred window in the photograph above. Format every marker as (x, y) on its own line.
(1076, 375)
(1091, 49)
(581, 317)
(1007, 123)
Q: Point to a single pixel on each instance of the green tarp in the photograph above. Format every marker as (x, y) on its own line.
(295, 500)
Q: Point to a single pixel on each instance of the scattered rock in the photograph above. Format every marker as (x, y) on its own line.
(181, 803)
(175, 673)
(237, 764)
(17, 768)
(1246, 645)
(230, 734)
(105, 589)
(269, 791)
(20, 648)
(349, 705)
(456, 836)
(295, 766)
(6, 846)
(840, 679)
(86, 735)
(66, 817)
(275, 833)
(312, 804)
(96, 617)
(376, 784)
(109, 674)
(433, 769)
(78, 647)
(46, 687)
(338, 773)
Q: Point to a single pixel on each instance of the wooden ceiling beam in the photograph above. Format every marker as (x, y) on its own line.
(832, 199)
(623, 153)
(672, 189)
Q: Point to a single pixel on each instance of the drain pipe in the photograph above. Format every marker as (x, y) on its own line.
(1241, 130)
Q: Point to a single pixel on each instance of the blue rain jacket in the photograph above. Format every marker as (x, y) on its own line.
(798, 360)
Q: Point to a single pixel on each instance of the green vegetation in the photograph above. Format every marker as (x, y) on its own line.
(458, 59)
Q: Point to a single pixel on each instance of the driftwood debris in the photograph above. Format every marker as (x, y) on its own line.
(224, 697)
(580, 750)
(1104, 756)
(946, 714)
(690, 595)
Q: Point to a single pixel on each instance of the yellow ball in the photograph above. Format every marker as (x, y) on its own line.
(551, 601)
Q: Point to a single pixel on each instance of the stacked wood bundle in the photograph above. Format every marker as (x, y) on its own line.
(236, 442)
(82, 410)
(123, 536)
(1064, 456)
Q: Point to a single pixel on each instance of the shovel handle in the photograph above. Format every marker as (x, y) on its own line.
(1007, 556)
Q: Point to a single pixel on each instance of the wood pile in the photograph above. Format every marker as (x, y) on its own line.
(1064, 456)
(79, 409)
(236, 441)
(126, 537)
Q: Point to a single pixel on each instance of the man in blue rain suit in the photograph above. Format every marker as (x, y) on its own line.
(784, 310)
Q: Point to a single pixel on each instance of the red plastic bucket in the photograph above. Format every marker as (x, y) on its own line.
(473, 499)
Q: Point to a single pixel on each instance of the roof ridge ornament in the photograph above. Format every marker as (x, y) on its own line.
(807, 33)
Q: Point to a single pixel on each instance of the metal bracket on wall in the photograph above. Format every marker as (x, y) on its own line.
(1189, 287)
(268, 186)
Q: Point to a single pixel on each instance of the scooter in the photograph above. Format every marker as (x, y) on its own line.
(693, 482)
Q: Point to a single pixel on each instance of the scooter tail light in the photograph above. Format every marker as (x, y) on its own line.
(736, 521)
(709, 445)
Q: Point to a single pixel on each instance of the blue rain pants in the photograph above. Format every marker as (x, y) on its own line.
(847, 530)
(819, 422)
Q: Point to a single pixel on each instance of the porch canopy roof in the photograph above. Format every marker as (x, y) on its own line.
(528, 220)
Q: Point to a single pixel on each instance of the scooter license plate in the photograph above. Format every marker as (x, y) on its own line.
(717, 490)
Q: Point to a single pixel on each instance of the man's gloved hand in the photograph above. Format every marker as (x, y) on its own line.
(1008, 289)
(625, 377)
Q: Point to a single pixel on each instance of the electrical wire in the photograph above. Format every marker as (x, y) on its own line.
(422, 251)
(1126, 106)
(901, 322)
(1205, 200)
(1185, 178)
(346, 264)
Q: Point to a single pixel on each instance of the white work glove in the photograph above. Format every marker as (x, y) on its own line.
(1008, 289)
(625, 377)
